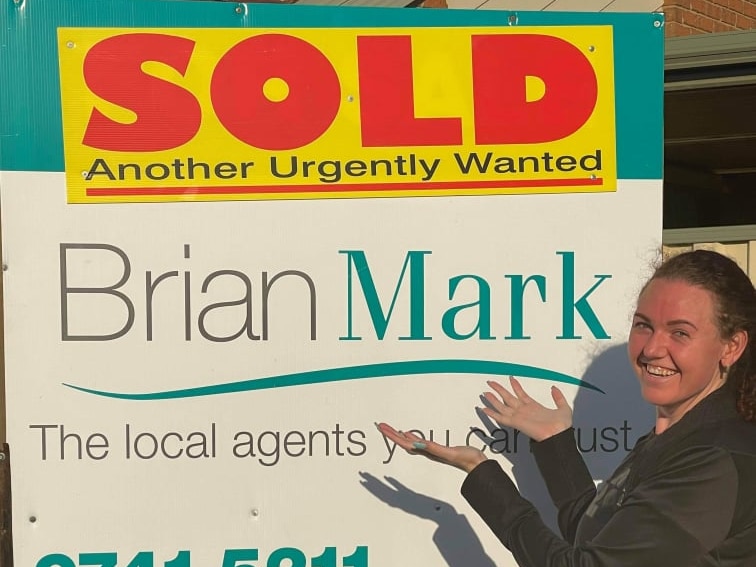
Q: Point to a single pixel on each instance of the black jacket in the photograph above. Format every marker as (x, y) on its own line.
(683, 498)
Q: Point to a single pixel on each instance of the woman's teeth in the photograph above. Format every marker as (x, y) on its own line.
(659, 371)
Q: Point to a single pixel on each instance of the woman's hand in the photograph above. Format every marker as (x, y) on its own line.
(522, 412)
(462, 457)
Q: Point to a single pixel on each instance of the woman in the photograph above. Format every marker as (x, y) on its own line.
(686, 494)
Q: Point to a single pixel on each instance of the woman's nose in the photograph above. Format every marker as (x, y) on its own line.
(655, 346)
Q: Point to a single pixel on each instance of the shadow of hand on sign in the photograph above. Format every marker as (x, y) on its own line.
(454, 536)
(515, 447)
(606, 428)
(608, 425)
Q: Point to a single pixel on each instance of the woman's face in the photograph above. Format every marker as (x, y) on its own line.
(675, 347)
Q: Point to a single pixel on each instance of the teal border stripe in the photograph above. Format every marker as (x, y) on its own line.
(382, 370)
(30, 121)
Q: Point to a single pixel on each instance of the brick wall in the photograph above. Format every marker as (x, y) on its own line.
(687, 17)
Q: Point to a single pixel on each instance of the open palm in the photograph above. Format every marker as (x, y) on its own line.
(517, 409)
(463, 457)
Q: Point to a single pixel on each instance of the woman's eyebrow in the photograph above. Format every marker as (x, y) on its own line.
(681, 322)
(671, 323)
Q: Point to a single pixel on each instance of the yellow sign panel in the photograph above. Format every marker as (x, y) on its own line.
(221, 114)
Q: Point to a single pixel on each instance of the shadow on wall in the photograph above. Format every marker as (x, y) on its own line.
(454, 536)
(607, 426)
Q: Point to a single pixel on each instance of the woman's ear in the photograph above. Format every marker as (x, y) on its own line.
(734, 348)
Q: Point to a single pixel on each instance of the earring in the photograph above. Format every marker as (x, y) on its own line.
(723, 371)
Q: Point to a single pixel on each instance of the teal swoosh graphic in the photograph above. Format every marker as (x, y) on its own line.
(382, 370)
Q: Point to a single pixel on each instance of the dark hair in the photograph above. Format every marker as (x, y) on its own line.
(735, 301)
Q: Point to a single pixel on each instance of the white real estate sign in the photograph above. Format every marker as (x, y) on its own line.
(210, 297)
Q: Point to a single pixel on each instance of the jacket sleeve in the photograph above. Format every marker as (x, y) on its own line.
(567, 479)
(673, 518)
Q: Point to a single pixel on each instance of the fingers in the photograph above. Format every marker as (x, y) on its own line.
(519, 396)
(558, 397)
(509, 399)
(519, 391)
(502, 418)
(462, 457)
(416, 445)
(387, 430)
(404, 439)
(495, 402)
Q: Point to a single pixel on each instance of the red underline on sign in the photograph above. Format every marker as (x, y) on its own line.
(340, 188)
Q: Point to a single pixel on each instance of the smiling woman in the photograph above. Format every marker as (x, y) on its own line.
(685, 494)
(676, 348)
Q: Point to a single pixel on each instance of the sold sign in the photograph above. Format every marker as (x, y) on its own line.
(207, 114)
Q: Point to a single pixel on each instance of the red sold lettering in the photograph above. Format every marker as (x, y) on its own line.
(502, 113)
(387, 99)
(302, 117)
(167, 115)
